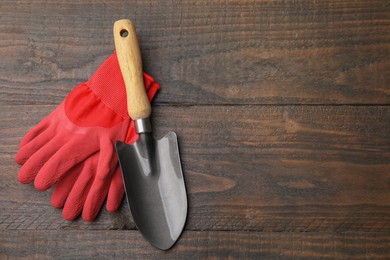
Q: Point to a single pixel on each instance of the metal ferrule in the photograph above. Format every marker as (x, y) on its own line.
(143, 125)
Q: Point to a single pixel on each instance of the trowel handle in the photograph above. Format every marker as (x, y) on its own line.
(130, 63)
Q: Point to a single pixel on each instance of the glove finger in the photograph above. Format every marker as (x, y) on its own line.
(96, 196)
(77, 196)
(116, 191)
(35, 131)
(33, 145)
(31, 167)
(107, 159)
(65, 185)
(62, 161)
(101, 184)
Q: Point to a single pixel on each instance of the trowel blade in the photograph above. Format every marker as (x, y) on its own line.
(154, 186)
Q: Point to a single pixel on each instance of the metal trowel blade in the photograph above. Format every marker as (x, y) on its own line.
(155, 188)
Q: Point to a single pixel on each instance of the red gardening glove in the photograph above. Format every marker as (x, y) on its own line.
(74, 145)
(87, 193)
(79, 190)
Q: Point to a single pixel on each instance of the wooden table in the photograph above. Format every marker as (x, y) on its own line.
(281, 108)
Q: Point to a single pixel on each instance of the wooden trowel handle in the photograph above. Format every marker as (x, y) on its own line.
(130, 63)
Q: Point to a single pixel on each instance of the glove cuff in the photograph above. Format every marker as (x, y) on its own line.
(101, 101)
(108, 85)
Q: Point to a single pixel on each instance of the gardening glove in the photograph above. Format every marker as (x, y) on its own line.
(74, 145)
(80, 191)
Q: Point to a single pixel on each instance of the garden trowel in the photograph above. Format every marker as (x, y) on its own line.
(151, 168)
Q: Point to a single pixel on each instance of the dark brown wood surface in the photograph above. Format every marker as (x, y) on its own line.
(282, 109)
(197, 245)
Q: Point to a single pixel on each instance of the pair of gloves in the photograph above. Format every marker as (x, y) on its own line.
(73, 147)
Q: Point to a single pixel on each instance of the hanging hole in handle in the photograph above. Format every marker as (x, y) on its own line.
(124, 33)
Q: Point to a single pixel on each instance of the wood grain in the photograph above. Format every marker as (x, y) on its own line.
(194, 245)
(282, 109)
(258, 168)
(224, 52)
